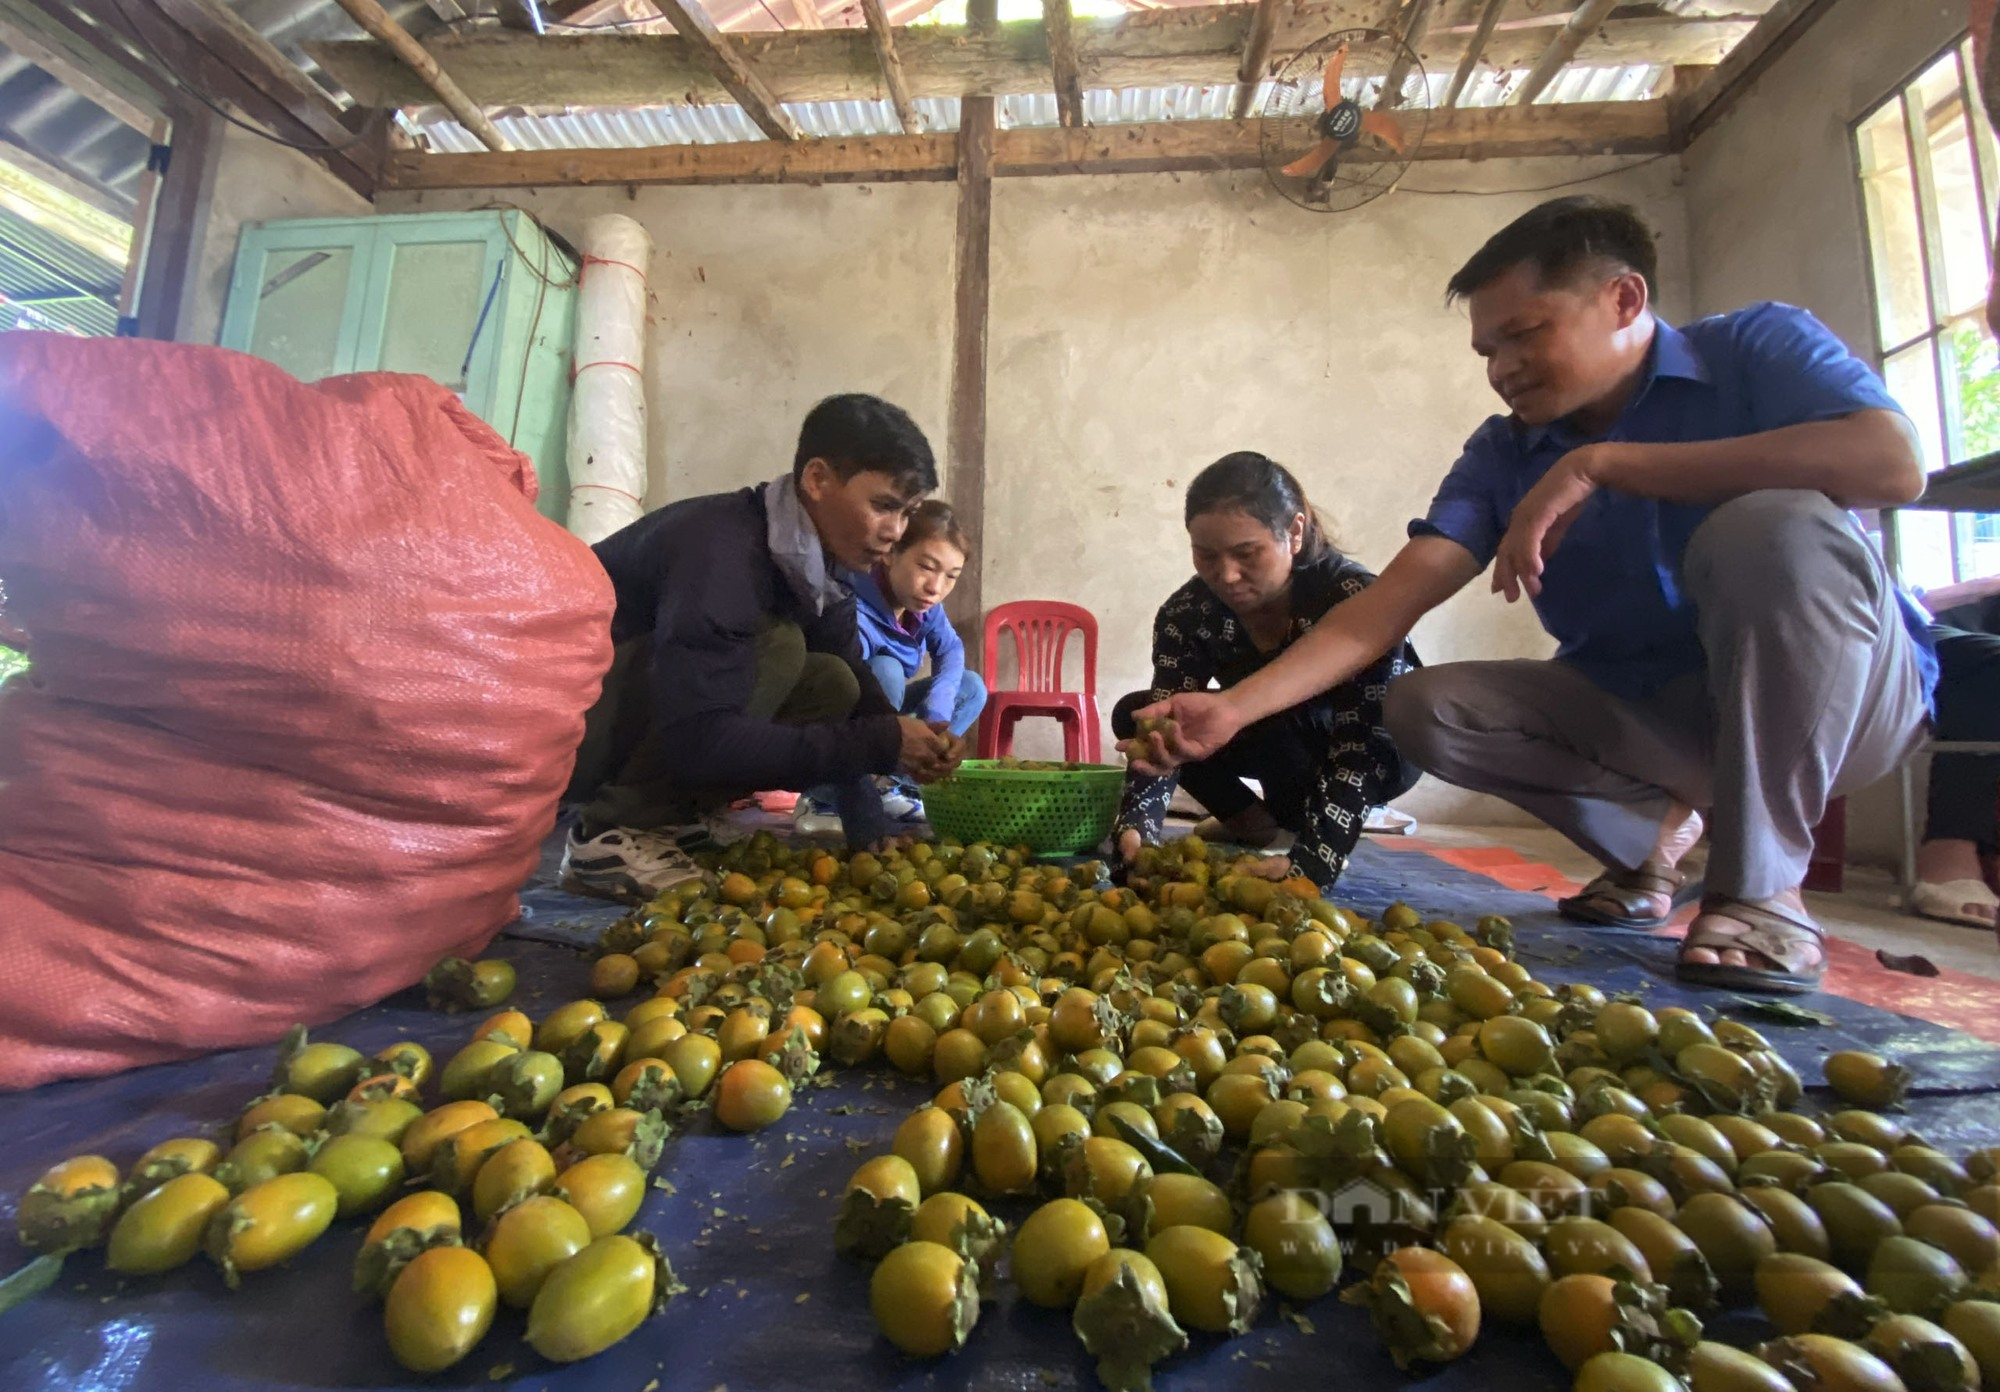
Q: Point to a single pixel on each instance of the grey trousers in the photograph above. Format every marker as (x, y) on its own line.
(1811, 689)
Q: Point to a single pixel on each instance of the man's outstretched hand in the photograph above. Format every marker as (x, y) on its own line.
(1203, 722)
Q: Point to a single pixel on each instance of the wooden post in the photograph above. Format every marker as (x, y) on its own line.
(1488, 18)
(729, 67)
(884, 37)
(1062, 62)
(1256, 54)
(971, 300)
(180, 217)
(1587, 20)
(382, 27)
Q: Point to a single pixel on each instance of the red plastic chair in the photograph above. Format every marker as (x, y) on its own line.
(1041, 629)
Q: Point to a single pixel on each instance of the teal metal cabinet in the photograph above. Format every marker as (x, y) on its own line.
(482, 303)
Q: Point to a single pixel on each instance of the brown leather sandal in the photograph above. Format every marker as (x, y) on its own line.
(1796, 945)
(1630, 891)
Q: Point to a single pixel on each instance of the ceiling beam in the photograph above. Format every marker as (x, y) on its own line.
(1475, 49)
(728, 67)
(1250, 73)
(235, 43)
(67, 51)
(883, 35)
(1784, 25)
(1154, 48)
(380, 24)
(230, 74)
(808, 14)
(1572, 128)
(1062, 62)
(1586, 21)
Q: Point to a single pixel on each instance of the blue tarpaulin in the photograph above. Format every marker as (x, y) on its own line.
(748, 1222)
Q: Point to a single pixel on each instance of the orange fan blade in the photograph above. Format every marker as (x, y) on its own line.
(1384, 128)
(1336, 63)
(1306, 166)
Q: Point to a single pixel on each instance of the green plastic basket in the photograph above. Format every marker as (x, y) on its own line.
(1049, 810)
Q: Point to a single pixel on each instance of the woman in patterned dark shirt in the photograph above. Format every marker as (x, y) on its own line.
(1264, 574)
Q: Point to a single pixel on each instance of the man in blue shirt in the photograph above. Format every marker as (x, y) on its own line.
(1674, 504)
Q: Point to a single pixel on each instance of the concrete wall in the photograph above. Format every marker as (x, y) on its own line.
(255, 180)
(764, 301)
(1774, 208)
(1141, 327)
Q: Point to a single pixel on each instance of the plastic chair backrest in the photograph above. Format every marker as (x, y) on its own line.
(1041, 629)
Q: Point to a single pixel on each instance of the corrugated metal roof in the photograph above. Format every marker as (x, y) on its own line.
(726, 123)
(44, 117)
(78, 137)
(47, 282)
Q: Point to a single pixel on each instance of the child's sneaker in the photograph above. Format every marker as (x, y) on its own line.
(901, 803)
(811, 817)
(629, 866)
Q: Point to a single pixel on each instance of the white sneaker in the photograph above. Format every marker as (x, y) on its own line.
(629, 866)
(899, 802)
(815, 818)
(1387, 821)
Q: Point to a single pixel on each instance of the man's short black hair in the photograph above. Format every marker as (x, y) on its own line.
(857, 434)
(1560, 239)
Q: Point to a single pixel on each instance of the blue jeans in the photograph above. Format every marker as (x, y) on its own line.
(908, 697)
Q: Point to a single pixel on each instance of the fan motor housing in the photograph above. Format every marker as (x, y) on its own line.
(1342, 122)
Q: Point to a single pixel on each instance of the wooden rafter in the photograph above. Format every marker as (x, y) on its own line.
(1710, 100)
(808, 14)
(1157, 48)
(729, 67)
(883, 35)
(1586, 21)
(383, 27)
(233, 41)
(215, 60)
(1571, 128)
(1468, 62)
(1063, 68)
(1256, 55)
(1414, 23)
(125, 88)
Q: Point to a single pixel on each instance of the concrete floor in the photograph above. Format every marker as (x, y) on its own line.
(1866, 912)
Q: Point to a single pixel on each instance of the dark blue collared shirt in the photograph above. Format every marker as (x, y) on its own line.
(1611, 594)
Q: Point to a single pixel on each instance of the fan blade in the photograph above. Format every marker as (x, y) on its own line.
(1336, 63)
(1306, 166)
(1385, 128)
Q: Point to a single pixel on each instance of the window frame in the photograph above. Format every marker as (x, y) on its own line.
(1905, 93)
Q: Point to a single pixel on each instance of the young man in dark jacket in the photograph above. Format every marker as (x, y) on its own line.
(737, 665)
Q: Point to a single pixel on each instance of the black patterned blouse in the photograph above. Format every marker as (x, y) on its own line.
(1198, 641)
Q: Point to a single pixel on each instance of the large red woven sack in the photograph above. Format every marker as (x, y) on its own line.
(309, 676)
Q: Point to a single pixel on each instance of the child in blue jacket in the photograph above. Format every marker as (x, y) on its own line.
(899, 610)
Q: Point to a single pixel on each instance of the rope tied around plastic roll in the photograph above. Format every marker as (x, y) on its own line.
(578, 369)
(576, 488)
(589, 261)
(607, 426)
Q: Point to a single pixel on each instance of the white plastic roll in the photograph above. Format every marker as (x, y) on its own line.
(607, 408)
